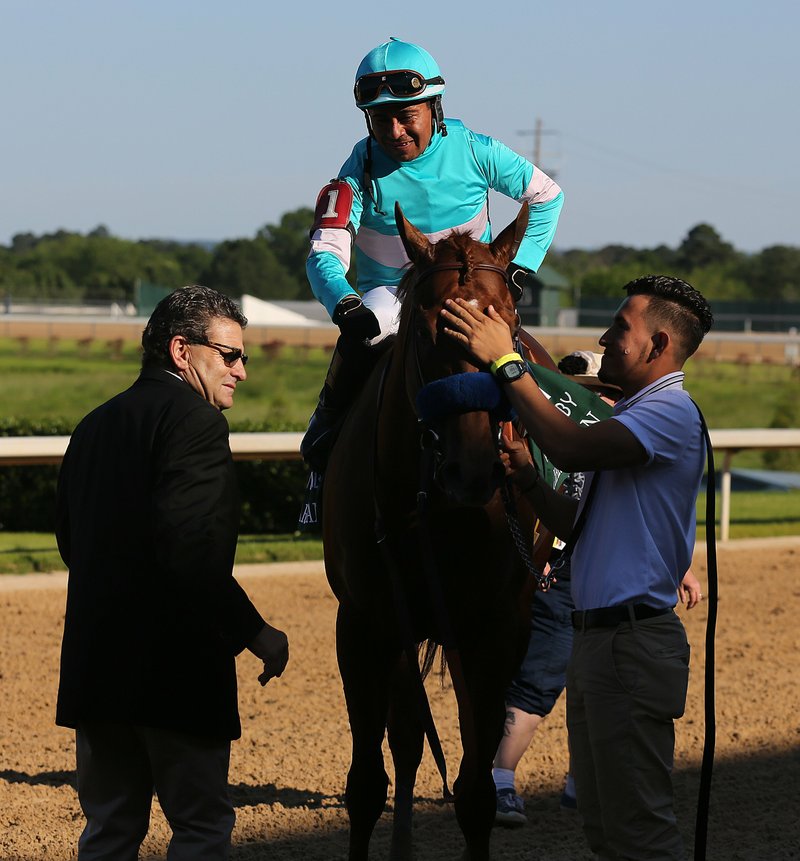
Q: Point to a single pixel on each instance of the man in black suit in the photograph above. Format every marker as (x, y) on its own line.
(147, 523)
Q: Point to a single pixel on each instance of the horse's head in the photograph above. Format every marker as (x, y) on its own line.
(468, 466)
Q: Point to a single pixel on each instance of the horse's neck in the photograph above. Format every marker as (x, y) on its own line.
(397, 420)
(397, 434)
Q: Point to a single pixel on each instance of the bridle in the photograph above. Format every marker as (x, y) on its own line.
(463, 268)
(430, 441)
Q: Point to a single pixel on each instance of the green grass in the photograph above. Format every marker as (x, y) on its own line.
(732, 396)
(277, 548)
(24, 552)
(753, 515)
(69, 382)
(756, 514)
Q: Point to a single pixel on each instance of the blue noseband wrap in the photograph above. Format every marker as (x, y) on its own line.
(463, 393)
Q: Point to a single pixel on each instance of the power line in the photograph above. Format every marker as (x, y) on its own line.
(734, 184)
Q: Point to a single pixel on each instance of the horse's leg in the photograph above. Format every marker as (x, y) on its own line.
(364, 665)
(406, 739)
(481, 715)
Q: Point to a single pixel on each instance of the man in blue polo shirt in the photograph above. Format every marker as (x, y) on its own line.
(632, 535)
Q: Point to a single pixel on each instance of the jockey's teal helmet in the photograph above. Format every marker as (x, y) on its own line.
(397, 71)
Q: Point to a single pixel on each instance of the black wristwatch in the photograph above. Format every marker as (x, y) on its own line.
(509, 368)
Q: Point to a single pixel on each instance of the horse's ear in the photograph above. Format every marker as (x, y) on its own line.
(415, 241)
(505, 247)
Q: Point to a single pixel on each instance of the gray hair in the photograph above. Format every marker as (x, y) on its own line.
(188, 311)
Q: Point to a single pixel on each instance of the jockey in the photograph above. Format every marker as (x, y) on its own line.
(440, 172)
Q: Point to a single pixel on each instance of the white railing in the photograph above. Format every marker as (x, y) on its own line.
(32, 450)
(26, 451)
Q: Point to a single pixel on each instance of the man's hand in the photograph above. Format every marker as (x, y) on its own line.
(486, 336)
(689, 590)
(355, 320)
(516, 458)
(272, 647)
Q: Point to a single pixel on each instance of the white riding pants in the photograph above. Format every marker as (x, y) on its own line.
(383, 303)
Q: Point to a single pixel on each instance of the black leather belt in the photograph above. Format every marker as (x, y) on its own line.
(610, 617)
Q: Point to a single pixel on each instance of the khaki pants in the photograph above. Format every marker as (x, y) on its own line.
(119, 766)
(625, 687)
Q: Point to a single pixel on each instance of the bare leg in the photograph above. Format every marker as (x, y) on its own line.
(518, 731)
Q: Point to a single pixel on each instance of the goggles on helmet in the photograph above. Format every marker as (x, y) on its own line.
(403, 83)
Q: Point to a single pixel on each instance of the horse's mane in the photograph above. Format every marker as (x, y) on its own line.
(460, 244)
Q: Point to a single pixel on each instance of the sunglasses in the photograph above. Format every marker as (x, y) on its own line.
(401, 84)
(230, 355)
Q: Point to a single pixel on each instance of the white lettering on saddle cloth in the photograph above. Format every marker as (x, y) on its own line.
(590, 419)
(309, 513)
(566, 403)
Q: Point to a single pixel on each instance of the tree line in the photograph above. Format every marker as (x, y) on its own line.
(69, 266)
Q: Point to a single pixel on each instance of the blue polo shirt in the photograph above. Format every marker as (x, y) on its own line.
(639, 533)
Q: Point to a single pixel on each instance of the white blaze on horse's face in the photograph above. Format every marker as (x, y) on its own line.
(473, 302)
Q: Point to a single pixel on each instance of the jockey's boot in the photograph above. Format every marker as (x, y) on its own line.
(351, 364)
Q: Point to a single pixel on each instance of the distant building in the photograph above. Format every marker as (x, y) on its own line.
(541, 297)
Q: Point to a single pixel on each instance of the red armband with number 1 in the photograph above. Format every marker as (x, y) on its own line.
(334, 205)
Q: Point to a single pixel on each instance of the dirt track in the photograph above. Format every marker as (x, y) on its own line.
(287, 771)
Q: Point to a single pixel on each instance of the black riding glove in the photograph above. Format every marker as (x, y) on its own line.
(355, 320)
(517, 276)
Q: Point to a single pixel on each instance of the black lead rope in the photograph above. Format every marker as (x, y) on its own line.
(403, 615)
(412, 658)
(709, 741)
(446, 636)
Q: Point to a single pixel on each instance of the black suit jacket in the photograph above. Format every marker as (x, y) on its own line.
(147, 522)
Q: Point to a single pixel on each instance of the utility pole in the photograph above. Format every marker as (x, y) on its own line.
(538, 132)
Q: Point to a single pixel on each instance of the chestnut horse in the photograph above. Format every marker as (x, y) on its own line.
(386, 597)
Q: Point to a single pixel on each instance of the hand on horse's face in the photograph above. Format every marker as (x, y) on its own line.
(487, 335)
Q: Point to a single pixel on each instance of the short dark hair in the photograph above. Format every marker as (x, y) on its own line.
(188, 311)
(677, 304)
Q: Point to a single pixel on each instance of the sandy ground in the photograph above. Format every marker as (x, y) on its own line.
(288, 769)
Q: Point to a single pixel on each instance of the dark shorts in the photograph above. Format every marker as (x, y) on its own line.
(542, 675)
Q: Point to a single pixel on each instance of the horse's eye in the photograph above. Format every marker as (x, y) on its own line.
(424, 332)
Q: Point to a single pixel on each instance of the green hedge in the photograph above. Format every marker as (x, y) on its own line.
(272, 491)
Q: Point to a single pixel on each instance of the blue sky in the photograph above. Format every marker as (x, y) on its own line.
(208, 119)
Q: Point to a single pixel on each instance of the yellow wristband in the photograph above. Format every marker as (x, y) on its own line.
(504, 360)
